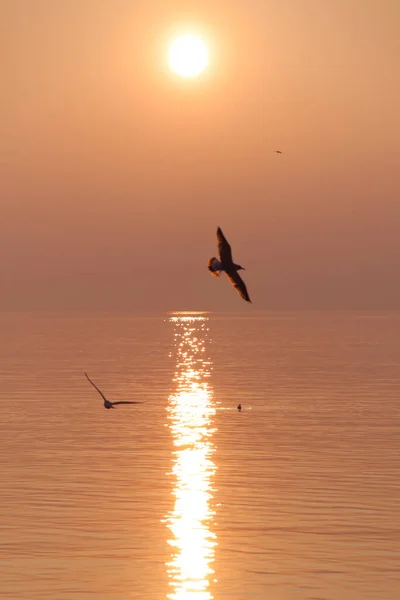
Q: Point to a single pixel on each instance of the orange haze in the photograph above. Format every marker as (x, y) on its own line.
(115, 173)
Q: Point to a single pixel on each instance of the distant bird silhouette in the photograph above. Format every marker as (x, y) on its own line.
(107, 403)
(239, 407)
(278, 151)
(227, 265)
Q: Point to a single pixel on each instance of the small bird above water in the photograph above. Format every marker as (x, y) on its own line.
(239, 407)
(107, 403)
(226, 264)
(278, 151)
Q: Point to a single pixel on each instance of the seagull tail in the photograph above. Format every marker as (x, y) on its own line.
(214, 266)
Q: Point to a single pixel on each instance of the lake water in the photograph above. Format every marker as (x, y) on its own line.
(295, 498)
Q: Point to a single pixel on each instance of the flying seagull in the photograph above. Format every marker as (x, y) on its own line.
(107, 403)
(226, 264)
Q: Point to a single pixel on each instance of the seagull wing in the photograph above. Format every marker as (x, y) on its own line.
(224, 249)
(95, 386)
(238, 284)
(126, 402)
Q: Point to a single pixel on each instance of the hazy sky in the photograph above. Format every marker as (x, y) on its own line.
(115, 173)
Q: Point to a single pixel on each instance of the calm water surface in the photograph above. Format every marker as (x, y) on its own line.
(182, 497)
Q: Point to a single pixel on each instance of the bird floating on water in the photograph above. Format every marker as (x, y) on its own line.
(107, 403)
(226, 264)
(278, 151)
(239, 407)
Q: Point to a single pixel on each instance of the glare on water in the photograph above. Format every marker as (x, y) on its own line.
(183, 497)
(190, 416)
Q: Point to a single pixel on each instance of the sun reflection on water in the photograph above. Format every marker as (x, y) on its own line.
(190, 418)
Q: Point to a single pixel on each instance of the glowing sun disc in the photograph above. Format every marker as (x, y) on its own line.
(188, 55)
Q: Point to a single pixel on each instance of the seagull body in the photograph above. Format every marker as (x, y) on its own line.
(107, 403)
(239, 407)
(226, 264)
(278, 151)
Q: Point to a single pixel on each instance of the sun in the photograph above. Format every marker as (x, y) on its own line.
(188, 55)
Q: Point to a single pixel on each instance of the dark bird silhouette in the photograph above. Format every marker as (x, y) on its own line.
(107, 403)
(278, 151)
(239, 407)
(226, 264)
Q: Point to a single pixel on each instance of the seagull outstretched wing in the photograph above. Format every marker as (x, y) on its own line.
(95, 386)
(238, 284)
(224, 249)
(126, 402)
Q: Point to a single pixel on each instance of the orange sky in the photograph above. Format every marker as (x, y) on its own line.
(114, 173)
